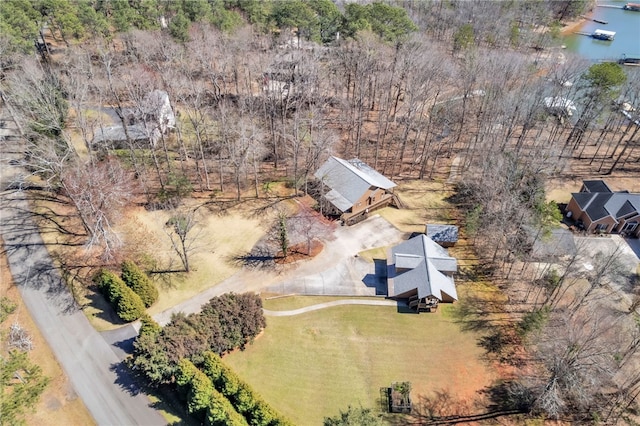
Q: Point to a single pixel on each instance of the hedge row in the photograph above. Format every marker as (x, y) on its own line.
(203, 401)
(226, 322)
(254, 409)
(125, 301)
(139, 282)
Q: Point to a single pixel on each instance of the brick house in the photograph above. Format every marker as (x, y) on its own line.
(605, 211)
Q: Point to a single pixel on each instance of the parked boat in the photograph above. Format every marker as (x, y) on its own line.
(603, 35)
(635, 7)
(629, 60)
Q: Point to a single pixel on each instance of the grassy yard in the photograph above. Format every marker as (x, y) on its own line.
(313, 365)
(423, 201)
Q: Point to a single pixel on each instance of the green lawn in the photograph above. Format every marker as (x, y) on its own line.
(313, 365)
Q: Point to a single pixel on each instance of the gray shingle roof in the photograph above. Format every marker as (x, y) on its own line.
(424, 260)
(349, 180)
(622, 203)
(599, 205)
(596, 209)
(596, 186)
(116, 134)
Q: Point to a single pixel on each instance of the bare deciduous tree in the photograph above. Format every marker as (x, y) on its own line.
(183, 232)
(100, 191)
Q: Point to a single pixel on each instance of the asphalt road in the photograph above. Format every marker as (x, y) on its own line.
(92, 366)
(91, 363)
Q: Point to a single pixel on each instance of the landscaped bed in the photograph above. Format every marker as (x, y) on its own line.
(313, 365)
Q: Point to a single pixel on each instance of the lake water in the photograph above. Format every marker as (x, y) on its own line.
(626, 25)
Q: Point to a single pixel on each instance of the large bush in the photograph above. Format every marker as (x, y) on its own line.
(139, 282)
(225, 323)
(125, 301)
(203, 400)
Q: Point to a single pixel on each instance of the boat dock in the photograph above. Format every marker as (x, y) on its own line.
(599, 34)
(611, 6)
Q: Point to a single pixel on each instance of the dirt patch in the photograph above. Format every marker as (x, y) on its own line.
(300, 251)
(59, 404)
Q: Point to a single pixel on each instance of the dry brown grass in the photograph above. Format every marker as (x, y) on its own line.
(425, 201)
(59, 404)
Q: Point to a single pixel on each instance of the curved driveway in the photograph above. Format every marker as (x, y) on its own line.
(328, 305)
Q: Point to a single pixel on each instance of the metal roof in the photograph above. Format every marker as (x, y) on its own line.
(425, 260)
(349, 180)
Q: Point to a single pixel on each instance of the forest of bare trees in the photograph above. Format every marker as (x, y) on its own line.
(265, 91)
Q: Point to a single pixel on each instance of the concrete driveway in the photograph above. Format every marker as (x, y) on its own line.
(337, 270)
(634, 245)
(607, 245)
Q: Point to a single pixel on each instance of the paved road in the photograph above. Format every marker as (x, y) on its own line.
(92, 365)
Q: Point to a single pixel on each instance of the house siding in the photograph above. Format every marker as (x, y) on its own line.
(379, 199)
(623, 221)
(577, 213)
(608, 221)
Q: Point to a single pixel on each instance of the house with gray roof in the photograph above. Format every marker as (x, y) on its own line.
(602, 210)
(351, 189)
(421, 272)
(145, 124)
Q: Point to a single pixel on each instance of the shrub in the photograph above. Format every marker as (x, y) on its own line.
(107, 283)
(7, 306)
(225, 323)
(125, 301)
(148, 326)
(203, 399)
(139, 282)
(255, 410)
(533, 321)
(130, 307)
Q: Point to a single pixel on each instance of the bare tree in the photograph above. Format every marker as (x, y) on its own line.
(100, 191)
(183, 232)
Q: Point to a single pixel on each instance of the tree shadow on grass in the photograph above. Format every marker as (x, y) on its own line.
(103, 309)
(260, 257)
(443, 408)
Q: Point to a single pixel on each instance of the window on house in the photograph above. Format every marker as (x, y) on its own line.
(602, 227)
(629, 226)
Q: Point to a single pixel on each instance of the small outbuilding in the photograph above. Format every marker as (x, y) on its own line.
(445, 235)
(148, 122)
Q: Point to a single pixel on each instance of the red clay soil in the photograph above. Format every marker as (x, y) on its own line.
(299, 252)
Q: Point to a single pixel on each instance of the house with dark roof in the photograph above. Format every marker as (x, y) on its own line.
(351, 189)
(602, 210)
(421, 272)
